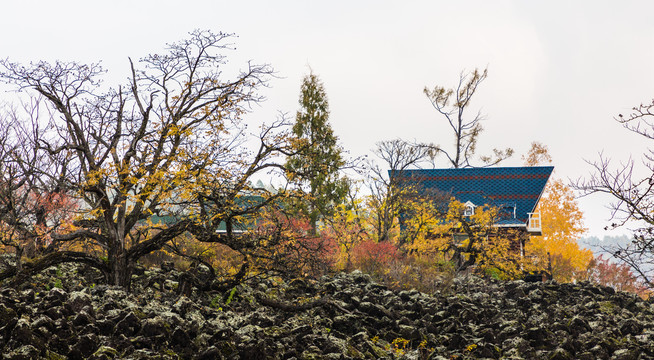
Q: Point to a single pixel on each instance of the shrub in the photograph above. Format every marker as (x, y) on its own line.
(425, 274)
(374, 258)
(387, 265)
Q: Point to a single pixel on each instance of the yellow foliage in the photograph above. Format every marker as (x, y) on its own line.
(466, 240)
(400, 345)
(538, 154)
(557, 249)
(348, 229)
(426, 232)
(562, 227)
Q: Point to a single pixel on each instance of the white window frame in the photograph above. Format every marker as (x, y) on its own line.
(469, 209)
(512, 208)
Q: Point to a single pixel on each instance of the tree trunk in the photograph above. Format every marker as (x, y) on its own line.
(120, 270)
(34, 266)
(313, 218)
(19, 260)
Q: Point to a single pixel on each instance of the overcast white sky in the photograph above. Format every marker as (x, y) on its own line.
(559, 71)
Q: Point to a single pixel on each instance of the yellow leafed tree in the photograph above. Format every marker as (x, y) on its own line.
(347, 229)
(467, 241)
(146, 163)
(557, 249)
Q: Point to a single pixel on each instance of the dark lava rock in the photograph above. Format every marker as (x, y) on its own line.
(154, 327)
(180, 338)
(26, 352)
(345, 316)
(129, 325)
(211, 353)
(78, 300)
(105, 326)
(104, 353)
(84, 347)
(630, 327)
(7, 314)
(83, 318)
(578, 326)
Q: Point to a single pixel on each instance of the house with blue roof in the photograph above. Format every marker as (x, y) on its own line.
(514, 190)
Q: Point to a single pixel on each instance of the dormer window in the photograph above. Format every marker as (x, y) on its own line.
(509, 211)
(469, 209)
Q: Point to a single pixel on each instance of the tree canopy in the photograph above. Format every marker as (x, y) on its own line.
(162, 155)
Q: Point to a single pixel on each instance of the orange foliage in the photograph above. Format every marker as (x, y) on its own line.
(619, 276)
(345, 230)
(42, 215)
(225, 261)
(370, 256)
(538, 154)
(278, 245)
(562, 224)
(285, 245)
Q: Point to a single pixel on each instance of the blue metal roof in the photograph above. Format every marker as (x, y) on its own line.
(519, 187)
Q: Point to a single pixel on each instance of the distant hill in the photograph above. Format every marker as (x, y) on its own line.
(598, 246)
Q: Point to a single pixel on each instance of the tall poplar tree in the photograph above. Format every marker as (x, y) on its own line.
(315, 167)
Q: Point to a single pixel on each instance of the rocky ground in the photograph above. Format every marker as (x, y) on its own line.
(61, 315)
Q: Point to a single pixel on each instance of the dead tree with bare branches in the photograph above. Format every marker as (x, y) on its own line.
(452, 104)
(631, 185)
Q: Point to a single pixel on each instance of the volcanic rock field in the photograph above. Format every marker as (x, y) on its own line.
(63, 314)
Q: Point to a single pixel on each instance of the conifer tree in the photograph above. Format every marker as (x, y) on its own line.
(315, 167)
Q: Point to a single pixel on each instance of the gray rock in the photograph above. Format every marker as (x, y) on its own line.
(78, 300)
(474, 318)
(25, 352)
(129, 325)
(154, 327)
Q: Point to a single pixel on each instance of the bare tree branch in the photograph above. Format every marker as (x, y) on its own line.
(632, 194)
(452, 105)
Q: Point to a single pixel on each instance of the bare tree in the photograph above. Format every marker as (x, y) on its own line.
(32, 203)
(633, 196)
(452, 105)
(385, 186)
(166, 154)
